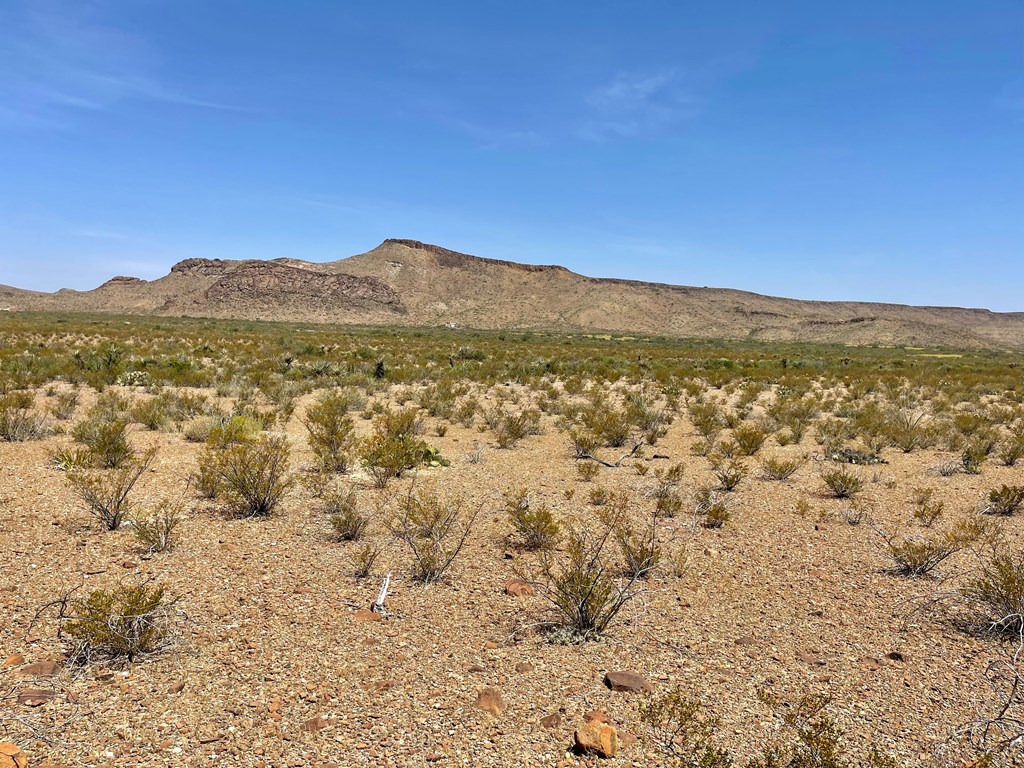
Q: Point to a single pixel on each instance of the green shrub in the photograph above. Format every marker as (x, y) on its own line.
(64, 405)
(394, 447)
(919, 556)
(252, 477)
(686, 730)
(729, 473)
(641, 552)
(105, 492)
(331, 431)
(120, 624)
(779, 467)
(712, 508)
(536, 525)
(1005, 500)
(998, 591)
(927, 509)
(842, 482)
(579, 584)
(105, 440)
(748, 438)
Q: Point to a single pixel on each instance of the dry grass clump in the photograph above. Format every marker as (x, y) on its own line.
(779, 468)
(927, 509)
(711, 508)
(122, 624)
(998, 591)
(347, 521)
(19, 420)
(640, 550)
(157, 530)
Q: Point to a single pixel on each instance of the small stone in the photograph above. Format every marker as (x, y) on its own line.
(365, 615)
(551, 721)
(315, 724)
(810, 658)
(14, 660)
(519, 588)
(896, 656)
(597, 739)
(178, 687)
(746, 641)
(476, 669)
(627, 682)
(597, 716)
(44, 668)
(33, 697)
(870, 663)
(524, 667)
(489, 700)
(490, 645)
(12, 756)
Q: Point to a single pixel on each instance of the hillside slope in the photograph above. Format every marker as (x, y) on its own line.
(405, 282)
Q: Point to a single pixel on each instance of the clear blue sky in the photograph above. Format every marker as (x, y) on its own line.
(867, 150)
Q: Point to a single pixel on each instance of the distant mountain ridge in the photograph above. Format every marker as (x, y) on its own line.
(406, 282)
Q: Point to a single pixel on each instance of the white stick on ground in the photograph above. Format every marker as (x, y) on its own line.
(378, 605)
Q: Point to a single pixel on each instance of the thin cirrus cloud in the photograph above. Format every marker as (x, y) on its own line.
(59, 59)
(632, 105)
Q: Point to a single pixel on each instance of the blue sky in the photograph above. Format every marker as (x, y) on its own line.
(870, 150)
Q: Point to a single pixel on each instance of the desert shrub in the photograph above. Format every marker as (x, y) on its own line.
(779, 467)
(232, 430)
(927, 509)
(707, 418)
(579, 584)
(842, 482)
(438, 400)
(105, 440)
(833, 433)
(536, 525)
(998, 591)
(513, 427)
(918, 556)
(347, 521)
(394, 447)
(729, 473)
(105, 492)
(156, 531)
(1004, 500)
(641, 552)
(587, 470)
(466, 411)
(599, 496)
(906, 428)
(686, 730)
(151, 413)
(813, 740)
(252, 477)
(331, 431)
(972, 458)
(435, 530)
(18, 419)
(364, 558)
(711, 508)
(748, 438)
(1010, 451)
(583, 442)
(64, 405)
(119, 624)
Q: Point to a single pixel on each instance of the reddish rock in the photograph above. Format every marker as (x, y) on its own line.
(489, 700)
(365, 615)
(596, 738)
(597, 716)
(178, 687)
(44, 668)
(551, 721)
(14, 660)
(490, 645)
(35, 697)
(315, 724)
(524, 667)
(12, 756)
(519, 588)
(627, 682)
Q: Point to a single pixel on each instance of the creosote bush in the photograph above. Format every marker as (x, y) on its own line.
(535, 524)
(779, 468)
(251, 477)
(124, 623)
(434, 529)
(1005, 500)
(18, 419)
(394, 447)
(842, 482)
(105, 492)
(581, 586)
(641, 552)
(998, 591)
(106, 441)
(331, 431)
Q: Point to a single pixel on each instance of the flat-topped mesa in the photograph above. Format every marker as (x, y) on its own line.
(123, 280)
(448, 258)
(204, 267)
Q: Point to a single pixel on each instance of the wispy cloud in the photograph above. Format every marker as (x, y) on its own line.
(61, 58)
(635, 104)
